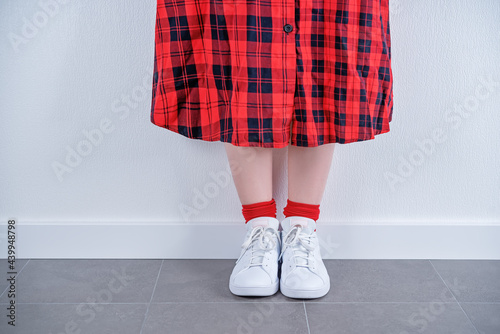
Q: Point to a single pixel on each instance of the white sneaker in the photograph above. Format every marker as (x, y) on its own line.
(303, 273)
(256, 270)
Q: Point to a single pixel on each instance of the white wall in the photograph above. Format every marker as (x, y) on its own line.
(73, 73)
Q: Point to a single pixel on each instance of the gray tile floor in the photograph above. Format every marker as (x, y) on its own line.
(192, 296)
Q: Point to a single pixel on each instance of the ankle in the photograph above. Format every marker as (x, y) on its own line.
(260, 209)
(301, 209)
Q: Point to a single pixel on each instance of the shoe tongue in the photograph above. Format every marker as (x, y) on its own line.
(299, 249)
(257, 250)
(307, 226)
(306, 229)
(260, 222)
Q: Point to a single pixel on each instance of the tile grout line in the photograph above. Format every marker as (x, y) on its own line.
(7, 287)
(442, 280)
(76, 303)
(479, 303)
(151, 299)
(474, 326)
(307, 320)
(259, 302)
(459, 305)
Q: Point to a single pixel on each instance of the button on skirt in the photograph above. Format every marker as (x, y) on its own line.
(269, 73)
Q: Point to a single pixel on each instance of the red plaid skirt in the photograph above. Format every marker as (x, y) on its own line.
(268, 73)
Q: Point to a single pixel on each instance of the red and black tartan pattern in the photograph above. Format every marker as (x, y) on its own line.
(229, 70)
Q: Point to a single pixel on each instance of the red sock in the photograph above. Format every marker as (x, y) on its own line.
(301, 209)
(260, 209)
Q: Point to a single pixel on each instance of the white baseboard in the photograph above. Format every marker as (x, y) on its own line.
(205, 241)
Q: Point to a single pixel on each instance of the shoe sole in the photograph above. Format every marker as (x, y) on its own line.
(255, 291)
(304, 294)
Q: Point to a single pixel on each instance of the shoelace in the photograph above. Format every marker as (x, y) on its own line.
(266, 242)
(304, 240)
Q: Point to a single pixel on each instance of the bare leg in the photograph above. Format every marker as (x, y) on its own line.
(251, 168)
(308, 169)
